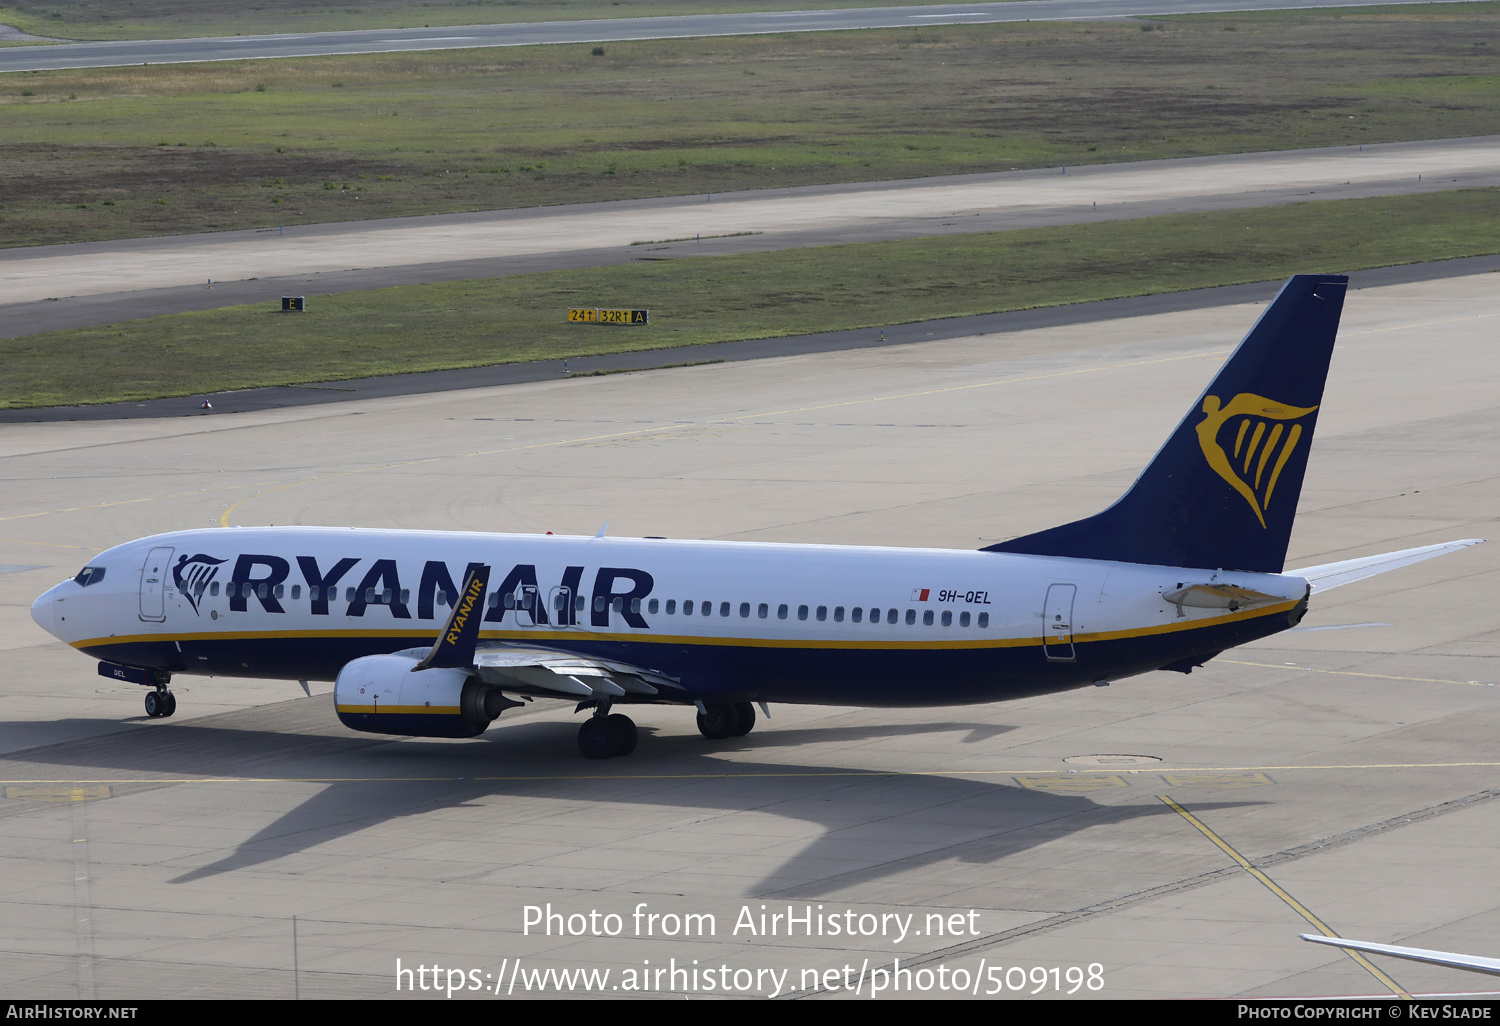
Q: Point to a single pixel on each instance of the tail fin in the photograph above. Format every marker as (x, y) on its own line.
(1223, 491)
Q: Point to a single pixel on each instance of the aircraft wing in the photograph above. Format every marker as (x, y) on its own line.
(553, 673)
(1472, 963)
(1336, 575)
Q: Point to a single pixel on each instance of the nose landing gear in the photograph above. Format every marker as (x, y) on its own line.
(160, 703)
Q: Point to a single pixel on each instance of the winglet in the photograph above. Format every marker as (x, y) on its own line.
(455, 645)
(602, 528)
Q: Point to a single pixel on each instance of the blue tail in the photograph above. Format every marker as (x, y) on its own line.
(1221, 494)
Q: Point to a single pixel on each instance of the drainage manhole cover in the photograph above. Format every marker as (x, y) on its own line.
(1110, 760)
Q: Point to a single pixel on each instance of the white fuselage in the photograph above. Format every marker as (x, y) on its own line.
(813, 623)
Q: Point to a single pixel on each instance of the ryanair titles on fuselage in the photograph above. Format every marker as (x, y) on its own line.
(257, 576)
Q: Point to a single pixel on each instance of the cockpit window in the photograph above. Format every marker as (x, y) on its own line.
(90, 575)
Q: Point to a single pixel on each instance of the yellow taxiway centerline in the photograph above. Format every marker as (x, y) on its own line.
(1280, 892)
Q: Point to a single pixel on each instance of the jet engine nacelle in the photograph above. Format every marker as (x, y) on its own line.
(382, 695)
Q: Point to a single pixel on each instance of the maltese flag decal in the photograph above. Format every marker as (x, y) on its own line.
(920, 594)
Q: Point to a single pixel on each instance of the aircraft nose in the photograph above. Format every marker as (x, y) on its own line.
(43, 611)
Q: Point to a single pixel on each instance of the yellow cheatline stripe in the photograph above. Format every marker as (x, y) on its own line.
(731, 775)
(585, 634)
(1355, 673)
(1281, 893)
(639, 432)
(402, 710)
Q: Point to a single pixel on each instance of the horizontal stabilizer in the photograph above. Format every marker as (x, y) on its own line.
(1473, 963)
(1335, 575)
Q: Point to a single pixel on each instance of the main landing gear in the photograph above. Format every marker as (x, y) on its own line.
(605, 735)
(160, 703)
(718, 722)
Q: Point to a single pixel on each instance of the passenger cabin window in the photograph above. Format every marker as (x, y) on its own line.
(280, 590)
(745, 609)
(781, 611)
(762, 610)
(671, 607)
(984, 620)
(911, 616)
(723, 608)
(707, 608)
(947, 618)
(213, 589)
(838, 614)
(802, 612)
(822, 613)
(687, 608)
(619, 603)
(856, 614)
(297, 592)
(652, 607)
(598, 603)
(927, 618)
(963, 618)
(890, 615)
(348, 594)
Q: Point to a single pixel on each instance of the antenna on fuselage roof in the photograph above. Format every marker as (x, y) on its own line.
(602, 528)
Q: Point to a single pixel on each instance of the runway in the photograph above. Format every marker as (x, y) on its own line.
(1352, 762)
(318, 44)
(74, 285)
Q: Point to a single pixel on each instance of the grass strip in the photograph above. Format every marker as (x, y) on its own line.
(715, 299)
(119, 152)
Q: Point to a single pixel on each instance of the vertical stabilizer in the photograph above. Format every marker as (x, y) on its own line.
(1223, 491)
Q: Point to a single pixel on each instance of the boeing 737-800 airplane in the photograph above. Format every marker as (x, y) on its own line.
(435, 634)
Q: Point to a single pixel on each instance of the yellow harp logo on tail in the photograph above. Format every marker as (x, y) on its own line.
(1263, 442)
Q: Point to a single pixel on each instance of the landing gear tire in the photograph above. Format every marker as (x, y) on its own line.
(747, 718)
(160, 704)
(718, 722)
(628, 734)
(600, 737)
